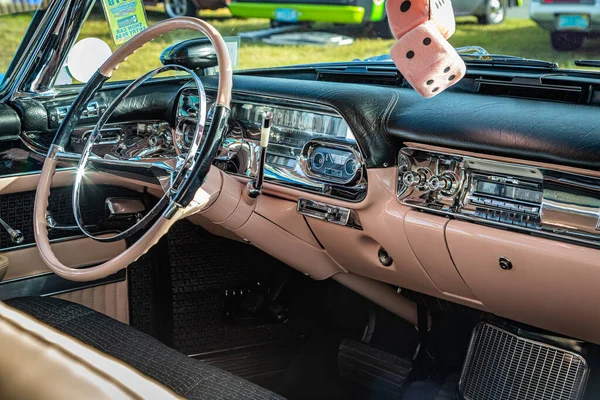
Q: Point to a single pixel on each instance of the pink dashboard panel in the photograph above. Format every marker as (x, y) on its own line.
(547, 283)
(551, 285)
(427, 237)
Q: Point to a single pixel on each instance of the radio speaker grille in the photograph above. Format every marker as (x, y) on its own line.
(501, 365)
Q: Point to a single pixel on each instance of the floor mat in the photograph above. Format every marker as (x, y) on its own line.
(202, 267)
(262, 364)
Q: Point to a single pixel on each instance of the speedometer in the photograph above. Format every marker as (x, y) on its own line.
(331, 162)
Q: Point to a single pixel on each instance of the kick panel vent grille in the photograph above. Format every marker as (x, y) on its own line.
(501, 365)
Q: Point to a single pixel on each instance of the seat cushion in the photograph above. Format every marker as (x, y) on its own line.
(187, 377)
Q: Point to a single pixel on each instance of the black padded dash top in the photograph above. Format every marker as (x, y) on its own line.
(187, 377)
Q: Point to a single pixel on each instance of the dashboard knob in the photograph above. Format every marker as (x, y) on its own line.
(439, 182)
(413, 179)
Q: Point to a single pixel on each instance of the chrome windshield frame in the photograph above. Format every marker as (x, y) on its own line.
(37, 62)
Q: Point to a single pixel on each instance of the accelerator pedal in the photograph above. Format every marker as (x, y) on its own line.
(373, 368)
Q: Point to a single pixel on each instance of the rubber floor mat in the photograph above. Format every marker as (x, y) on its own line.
(257, 363)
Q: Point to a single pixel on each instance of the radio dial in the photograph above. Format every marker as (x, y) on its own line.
(445, 183)
(318, 160)
(439, 182)
(414, 179)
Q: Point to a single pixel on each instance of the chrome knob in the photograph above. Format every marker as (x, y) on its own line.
(439, 182)
(413, 179)
(16, 236)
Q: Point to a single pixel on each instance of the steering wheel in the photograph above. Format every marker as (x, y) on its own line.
(186, 173)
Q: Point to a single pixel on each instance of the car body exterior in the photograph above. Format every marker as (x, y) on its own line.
(335, 11)
(486, 11)
(187, 8)
(568, 21)
(355, 11)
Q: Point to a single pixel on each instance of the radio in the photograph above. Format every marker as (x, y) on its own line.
(503, 199)
(516, 196)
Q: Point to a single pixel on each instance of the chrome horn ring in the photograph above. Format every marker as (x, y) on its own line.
(178, 172)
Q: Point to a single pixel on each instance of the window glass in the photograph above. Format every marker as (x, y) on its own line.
(15, 17)
(312, 31)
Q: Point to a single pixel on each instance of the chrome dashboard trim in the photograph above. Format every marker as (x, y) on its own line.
(304, 160)
(298, 177)
(569, 209)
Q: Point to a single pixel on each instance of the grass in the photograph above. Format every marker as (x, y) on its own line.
(514, 37)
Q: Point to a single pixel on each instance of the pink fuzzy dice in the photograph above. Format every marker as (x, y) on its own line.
(427, 61)
(405, 15)
(442, 14)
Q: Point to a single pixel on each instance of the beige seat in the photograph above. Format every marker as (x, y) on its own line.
(62, 349)
(39, 362)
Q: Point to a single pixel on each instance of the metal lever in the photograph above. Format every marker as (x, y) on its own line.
(53, 225)
(123, 207)
(16, 236)
(255, 187)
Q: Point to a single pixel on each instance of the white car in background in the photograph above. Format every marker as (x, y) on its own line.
(569, 21)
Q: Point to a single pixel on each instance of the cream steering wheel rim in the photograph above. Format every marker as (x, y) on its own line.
(171, 215)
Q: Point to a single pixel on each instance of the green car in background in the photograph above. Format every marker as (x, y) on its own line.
(365, 12)
(297, 11)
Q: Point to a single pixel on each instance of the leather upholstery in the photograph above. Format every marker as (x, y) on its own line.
(38, 362)
(185, 376)
(383, 118)
(10, 124)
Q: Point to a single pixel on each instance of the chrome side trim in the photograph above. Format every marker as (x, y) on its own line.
(33, 48)
(50, 284)
(59, 240)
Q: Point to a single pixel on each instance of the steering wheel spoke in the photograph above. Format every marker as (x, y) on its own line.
(144, 170)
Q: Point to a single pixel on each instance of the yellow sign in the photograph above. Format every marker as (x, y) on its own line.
(126, 18)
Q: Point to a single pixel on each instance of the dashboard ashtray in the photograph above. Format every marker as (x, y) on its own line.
(323, 211)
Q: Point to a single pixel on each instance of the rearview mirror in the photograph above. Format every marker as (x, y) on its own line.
(86, 57)
(195, 54)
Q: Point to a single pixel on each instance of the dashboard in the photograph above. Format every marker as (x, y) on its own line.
(485, 201)
(311, 147)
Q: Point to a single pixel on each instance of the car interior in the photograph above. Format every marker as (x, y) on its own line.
(326, 231)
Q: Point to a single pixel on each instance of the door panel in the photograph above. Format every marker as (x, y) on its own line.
(111, 299)
(27, 274)
(73, 253)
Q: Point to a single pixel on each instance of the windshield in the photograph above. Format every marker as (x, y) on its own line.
(273, 33)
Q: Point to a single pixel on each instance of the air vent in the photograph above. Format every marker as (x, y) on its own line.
(361, 75)
(502, 365)
(564, 92)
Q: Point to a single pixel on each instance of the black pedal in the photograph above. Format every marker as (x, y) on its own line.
(373, 368)
(256, 305)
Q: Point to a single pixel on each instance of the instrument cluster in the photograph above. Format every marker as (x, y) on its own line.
(310, 147)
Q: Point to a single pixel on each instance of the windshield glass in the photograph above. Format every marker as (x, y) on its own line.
(15, 18)
(275, 33)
